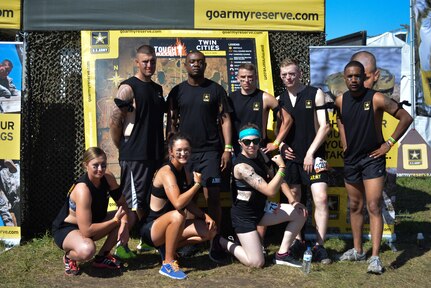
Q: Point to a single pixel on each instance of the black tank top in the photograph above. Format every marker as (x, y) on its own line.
(146, 139)
(200, 108)
(256, 204)
(99, 200)
(181, 178)
(303, 131)
(246, 109)
(357, 114)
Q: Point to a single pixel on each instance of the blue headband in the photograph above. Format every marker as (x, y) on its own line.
(249, 132)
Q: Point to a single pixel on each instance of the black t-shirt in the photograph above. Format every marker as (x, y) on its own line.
(357, 115)
(245, 109)
(303, 130)
(200, 108)
(146, 139)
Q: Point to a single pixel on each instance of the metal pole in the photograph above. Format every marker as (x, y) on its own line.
(412, 64)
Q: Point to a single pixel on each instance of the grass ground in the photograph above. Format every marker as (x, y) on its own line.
(39, 262)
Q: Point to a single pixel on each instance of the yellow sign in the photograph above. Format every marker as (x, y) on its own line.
(10, 14)
(10, 136)
(283, 15)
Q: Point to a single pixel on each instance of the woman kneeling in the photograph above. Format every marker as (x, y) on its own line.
(167, 226)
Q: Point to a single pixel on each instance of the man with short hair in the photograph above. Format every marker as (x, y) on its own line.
(197, 108)
(360, 124)
(136, 128)
(304, 150)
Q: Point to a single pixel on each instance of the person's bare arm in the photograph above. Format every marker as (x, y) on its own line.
(226, 126)
(286, 122)
(321, 133)
(118, 115)
(386, 104)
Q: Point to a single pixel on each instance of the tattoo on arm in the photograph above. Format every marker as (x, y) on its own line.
(248, 174)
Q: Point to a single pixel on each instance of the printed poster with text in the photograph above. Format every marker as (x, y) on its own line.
(10, 140)
(108, 59)
(326, 72)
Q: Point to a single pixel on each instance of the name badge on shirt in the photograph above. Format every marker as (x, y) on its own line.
(243, 195)
(367, 105)
(308, 104)
(206, 97)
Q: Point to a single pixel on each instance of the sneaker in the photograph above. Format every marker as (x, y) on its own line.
(287, 259)
(217, 254)
(375, 265)
(143, 247)
(297, 248)
(320, 254)
(70, 266)
(106, 261)
(172, 270)
(188, 251)
(124, 252)
(353, 255)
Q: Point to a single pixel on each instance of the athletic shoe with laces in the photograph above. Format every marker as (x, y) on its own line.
(375, 265)
(172, 270)
(70, 266)
(287, 259)
(353, 255)
(123, 252)
(217, 254)
(106, 261)
(320, 254)
(297, 248)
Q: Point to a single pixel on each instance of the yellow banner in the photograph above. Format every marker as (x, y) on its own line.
(10, 14)
(10, 136)
(284, 15)
(8, 232)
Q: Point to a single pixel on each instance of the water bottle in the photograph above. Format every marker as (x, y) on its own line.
(306, 260)
(420, 241)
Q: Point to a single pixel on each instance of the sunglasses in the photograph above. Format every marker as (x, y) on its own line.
(247, 142)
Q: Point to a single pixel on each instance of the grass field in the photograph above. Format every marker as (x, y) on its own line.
(38, 263)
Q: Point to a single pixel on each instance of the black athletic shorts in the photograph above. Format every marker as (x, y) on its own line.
(367, 168)
(295, 174)
(61, 232)
(207, 163)
(136, 180)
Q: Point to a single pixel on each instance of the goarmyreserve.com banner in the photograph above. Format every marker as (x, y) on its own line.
(10, 14)
(285, 15)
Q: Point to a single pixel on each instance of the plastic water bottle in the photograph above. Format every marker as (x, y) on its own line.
(306, 260)
(420, 241)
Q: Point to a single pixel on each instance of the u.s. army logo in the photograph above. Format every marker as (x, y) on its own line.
(367, 105)
(256, 106)
(206, 97)
(308, 104)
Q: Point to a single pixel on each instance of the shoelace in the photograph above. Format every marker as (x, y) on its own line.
(175, 265)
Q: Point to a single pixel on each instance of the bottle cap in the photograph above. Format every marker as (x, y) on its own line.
(420, 236)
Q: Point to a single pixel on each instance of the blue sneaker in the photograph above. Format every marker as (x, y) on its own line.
(172, 270)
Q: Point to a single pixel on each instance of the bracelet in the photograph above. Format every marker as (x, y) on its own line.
(276, 143)
(281, 174)
(228, 146)
(279, 167)
(228, 150)
(115, 219)
(199, 184)
(389, 143)
(392, 140)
